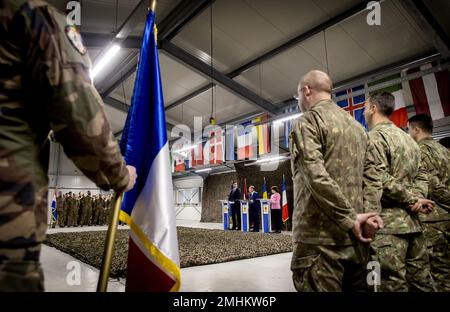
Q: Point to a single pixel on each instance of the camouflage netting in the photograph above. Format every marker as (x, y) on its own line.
(197, 246)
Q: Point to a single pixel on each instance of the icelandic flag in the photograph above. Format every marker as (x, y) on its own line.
(54, 215)
(354, 104)
(284, 204)
(264, 190)
(153, 259)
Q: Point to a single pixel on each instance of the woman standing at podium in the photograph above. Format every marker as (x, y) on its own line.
(235, 196)
(275, 208)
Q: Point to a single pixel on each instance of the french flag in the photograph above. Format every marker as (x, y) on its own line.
(284, 208)
(153, 258)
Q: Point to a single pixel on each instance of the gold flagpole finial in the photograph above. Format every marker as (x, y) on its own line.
(152, 5)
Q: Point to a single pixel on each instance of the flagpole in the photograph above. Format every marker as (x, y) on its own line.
(102, 285)
(109, 244)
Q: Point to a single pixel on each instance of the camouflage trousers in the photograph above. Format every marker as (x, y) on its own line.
(437, 236)
(404, 262)
(61, 218)
(86, 215)
(320, 268)
(20, 275)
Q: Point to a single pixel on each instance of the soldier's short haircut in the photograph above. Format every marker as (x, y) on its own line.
(385, 102)
(445, 141)
(422, 121)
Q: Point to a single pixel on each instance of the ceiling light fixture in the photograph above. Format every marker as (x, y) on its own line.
(287, 118)
(109, 55)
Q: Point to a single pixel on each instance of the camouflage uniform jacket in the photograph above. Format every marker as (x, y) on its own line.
(45, 85)
(328, 160)
(436, 160)
(404, 180)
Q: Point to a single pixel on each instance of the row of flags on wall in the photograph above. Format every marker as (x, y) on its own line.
(428, 94)
(246, 141)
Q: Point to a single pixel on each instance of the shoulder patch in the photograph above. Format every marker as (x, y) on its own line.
(75, 39)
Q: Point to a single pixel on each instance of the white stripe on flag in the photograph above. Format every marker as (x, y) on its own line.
(399, 99)
(407, 95)
(154, 211)
(432, 92)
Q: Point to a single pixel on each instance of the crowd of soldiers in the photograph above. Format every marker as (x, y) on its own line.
(82, 209)
(371, 209)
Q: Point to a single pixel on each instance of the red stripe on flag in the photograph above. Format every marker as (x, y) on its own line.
(400, 117)
(443, 84)
(143, 275)
(419, 96)
(285, 213)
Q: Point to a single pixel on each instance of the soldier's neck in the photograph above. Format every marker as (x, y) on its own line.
(423, 136)
(377, 119)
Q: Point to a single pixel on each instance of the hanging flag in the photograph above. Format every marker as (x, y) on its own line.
(400, 114)
(263, 134)
(354, 104)
(153, 259)
(214, 152)
(179, 156)
(264, 190)
(245, 194)
(53, 205)
(284, 204)
(197, 152)
(246, 141)
(288, 125)
(431, 93)
(229, 140)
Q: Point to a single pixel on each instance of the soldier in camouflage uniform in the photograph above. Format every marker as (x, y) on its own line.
(59, 208)
(95, 209)
(44, 85)
(70, 209)
(86, 212)
(110, 208)
(436, 225)
(80, 208)
(65, 209)
(328, 160)
(399, 247)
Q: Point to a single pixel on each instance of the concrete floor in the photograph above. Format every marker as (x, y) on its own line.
(270, 273)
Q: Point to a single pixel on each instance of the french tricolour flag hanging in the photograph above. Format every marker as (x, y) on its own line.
(284, 204)
(153, 259)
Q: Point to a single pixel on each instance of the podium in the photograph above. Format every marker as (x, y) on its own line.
(226, 212)
(245, 220)
(265, 215)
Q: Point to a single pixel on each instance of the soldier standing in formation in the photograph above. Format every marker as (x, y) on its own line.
(400, 246)
(59, 208)
(436, 225)
(81, 210)
(45, 87)
(328, 160)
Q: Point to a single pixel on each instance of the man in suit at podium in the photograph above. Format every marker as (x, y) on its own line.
(254, 207)
(235, 196)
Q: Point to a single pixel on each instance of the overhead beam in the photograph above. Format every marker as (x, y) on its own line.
(119, 105)
(189, 96)
(167, 29)
(201, 67)
(419, 11)
(94, 40)
(285, 46)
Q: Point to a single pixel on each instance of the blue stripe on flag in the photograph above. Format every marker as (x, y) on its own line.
(145, 129)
